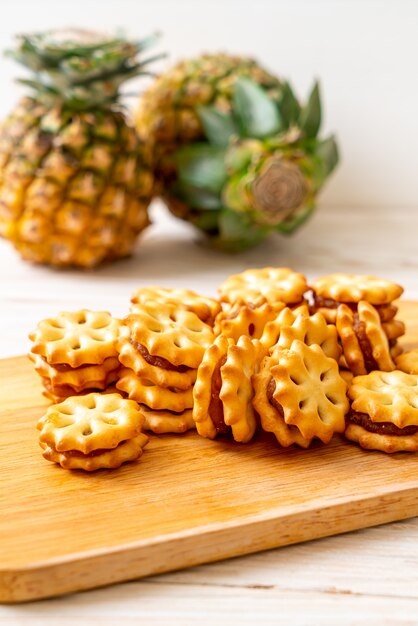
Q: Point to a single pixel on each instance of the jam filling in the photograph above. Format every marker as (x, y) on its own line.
(271, 388)
(380, 428)
(158, 361)
(216, 409)
(324, 303)
(365, 345)
(386, 311)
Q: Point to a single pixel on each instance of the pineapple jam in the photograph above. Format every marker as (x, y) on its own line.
(158, 361)
(380, 428)
(216, 409)
(319, 302)
(271, 388)
(359, 328)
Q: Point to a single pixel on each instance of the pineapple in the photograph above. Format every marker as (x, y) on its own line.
(167, 117)
(75, 180)
(259, 170)
(235, 152)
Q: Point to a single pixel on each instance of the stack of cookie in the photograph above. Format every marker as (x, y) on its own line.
(257, 302)
(269, 352)
(362, 309)
(299, 392)
(161, 346)
(300, 395)
(223, 391)
(384, 412)
(91, 432)
(75, 353)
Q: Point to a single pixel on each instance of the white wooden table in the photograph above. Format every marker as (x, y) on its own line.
(370, 576)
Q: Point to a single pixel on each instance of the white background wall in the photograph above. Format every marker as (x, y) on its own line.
(364, 51)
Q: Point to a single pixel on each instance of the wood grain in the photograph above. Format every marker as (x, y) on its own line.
(188, 500)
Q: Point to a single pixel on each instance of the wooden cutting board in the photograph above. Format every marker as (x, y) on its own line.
(187, 501)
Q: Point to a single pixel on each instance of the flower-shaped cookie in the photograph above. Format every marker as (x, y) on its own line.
(310, 391)
(205, 308)
(365, 344)
(159, 398)
(271, 412)
(223, 390)
(92, 431)
(174, 334)
(275, 284)
(76, 338)
(310, 330)
(387, 397)
(78, 378)
(161, 422)
(354, 287)
(246, 319)
(408, 362)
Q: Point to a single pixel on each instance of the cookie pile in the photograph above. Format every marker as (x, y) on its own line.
(223, 391)
(75, 352)
(92, 431)
(162, 343)
(301, 362)
(384, 411)
(298, 392)
(362, 309)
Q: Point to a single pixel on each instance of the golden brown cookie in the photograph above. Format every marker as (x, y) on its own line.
(223, 390)
(76, 338)
(275, 284)
(158, 398)
(92, 431)
(328, 308)
(408, 362)
(129, 450)
(208, 411)
(365, 344)
(205, 308)
(159, 371)
(174, 334)
(310, 391)
(160, 422)
(355, 287)
(270, 411)
(246, 319)
(393, 329)
(286, 317)
(58, 393)
(310, 330)
(387, 397)
(383, 442)
(387, 312)
(79, 378)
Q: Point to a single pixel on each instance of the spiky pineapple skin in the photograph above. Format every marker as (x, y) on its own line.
(166, 116)
(74, 186)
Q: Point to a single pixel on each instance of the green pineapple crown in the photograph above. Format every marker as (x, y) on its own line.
(79, 67)
(259, 170)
